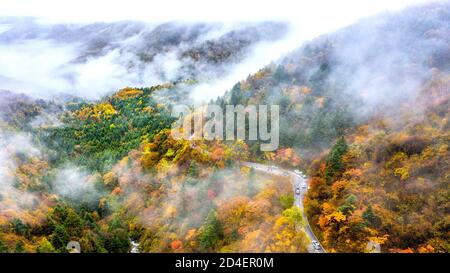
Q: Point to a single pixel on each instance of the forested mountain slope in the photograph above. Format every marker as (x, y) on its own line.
(377, 94)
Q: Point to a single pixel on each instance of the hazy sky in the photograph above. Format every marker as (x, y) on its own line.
(313, 17)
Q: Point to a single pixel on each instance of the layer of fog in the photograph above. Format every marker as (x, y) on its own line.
(17, 201)
(261, 55)
(190, 199)
(42, 68)
(14, 202)
(44, 61)
(4, 28)
(385, 60)
(378, 65)
(74, 184)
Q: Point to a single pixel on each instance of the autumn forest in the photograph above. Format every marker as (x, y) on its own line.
(87, 153)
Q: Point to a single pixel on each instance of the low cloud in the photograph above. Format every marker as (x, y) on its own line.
(74, 184)
(35, 67)
(15, 202)
(56, 59)
(261, 55)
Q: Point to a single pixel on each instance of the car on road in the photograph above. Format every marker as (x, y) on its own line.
(304, 186)
(297, 172)
(304, 176)
(297, 191)
(316, 245)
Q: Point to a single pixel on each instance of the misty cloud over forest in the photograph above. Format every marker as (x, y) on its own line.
(92, 60)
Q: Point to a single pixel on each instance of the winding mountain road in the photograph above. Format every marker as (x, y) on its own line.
(300, 186)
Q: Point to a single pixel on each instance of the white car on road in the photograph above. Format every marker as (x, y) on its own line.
(316, 245)
(297, 191)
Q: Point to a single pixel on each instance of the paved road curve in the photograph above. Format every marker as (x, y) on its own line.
(298, 183)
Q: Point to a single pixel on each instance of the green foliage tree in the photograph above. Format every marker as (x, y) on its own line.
(280, 75)
(60, 238)
(294, 214)
(369, 216)
(117, 241)
(286, 200)
(236, 94)
(19, 227)
(20, 247)
(194, 170)
(45, 246)
(73, 223)
(91, 242)
(3, 247)
(334, 159)
(349, 205)
(210, 233)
